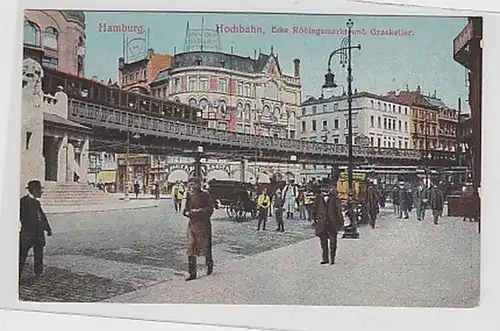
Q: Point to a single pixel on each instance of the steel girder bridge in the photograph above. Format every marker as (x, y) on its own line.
(112, 129)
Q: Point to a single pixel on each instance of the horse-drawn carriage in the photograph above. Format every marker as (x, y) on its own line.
(238, 199)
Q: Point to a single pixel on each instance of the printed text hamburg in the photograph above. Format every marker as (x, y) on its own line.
(307, 30)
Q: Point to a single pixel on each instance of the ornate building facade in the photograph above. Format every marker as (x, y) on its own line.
(56, 39)
(235, 93)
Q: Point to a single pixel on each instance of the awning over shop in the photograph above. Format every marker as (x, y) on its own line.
(106, 176)
(178, 175)
(217, 174)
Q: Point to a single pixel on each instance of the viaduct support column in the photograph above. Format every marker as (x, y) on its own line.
(243, 169)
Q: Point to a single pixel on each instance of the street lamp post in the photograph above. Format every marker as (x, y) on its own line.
(127, 161)
(345, 58)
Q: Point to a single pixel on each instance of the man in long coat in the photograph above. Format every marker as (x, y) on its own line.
(372, 201)
(327, 221)
(290, 194)
(436, 202)
(34, 224)
(421, 198)
(199, 208)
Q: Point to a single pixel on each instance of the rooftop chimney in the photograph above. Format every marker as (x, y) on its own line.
(418, 89)
(296, 68)
(150, 53)
(254, 53)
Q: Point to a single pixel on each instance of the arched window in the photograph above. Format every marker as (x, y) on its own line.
(222, 106)
(271, 91)
(177, 100)
(50, 36)
(204, 104)
(277, 113)
(192, 102)
(239, 109)
(31, 34)
(247, 111)
(266, 111)
(292, 117)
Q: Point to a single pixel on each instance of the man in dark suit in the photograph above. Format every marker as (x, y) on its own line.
(34, 224)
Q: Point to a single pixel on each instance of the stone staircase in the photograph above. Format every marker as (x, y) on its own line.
(74, 194)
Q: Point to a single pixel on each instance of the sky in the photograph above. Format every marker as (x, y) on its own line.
(424, 56)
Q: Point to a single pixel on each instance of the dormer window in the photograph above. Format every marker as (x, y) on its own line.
(198, 60)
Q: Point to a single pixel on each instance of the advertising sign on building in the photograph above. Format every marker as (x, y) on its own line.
(463, 38)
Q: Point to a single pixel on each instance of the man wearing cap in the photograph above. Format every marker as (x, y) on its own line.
(34, 224)
(199, 208)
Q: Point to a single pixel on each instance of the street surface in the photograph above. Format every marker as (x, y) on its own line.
(93, 256)
(401, 263)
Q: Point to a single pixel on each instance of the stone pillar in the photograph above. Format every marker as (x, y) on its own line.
(61, 107)
(243, 169)
(63, 171)
(197, 167)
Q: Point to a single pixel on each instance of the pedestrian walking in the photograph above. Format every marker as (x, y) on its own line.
(156, 188)
(177, 195)
(309, 203)
(263, 203)
(290, 194)
(395, 199)
(421, 198)
(404, 201)
(34, 224)
(137, 188)
(327, 222)
(199, 208)
(372, 203)
(436, 202)
(301, 202)
(278, 204)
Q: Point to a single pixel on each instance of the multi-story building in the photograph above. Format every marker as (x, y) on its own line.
(383, 121)
(102, 168)
(56, 39)
(447, 124)
(136, 76)
(424, 118)
(235, 93)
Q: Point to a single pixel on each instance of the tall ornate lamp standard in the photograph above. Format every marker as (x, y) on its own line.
(345, 58)
(127, 158)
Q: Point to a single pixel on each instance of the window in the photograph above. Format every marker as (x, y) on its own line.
(314, 108)
(379, 105)
(379, 142)
(239, 88)
(394, 125)
(399, 126)
(406, 145)
(406, 126)
(393, 108)
(222, 106)
(192, 83)
(277, 114)
(303, 111)
(379, 123)
(49, 62)
(399, 109)
(335, 106)
(303, 126)
(336, 124)
(325, 125)
(385, 123)
(177, 85)
(203, 104)
(31, 34)
(314, 126)
(400, 144)
(371, 141)
(28, 138)
(203, 84)
(385, 106)
(406, 111)
(222, 86)
(248, 90)
(239, 128)
(50, 38)
(335, 140)
(372, 120)
(239, 110)
(266, 111)
(192, 102)
(372, 104)
(324, 108)
(247, 111)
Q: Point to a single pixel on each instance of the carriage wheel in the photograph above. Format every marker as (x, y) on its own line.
(231, 212)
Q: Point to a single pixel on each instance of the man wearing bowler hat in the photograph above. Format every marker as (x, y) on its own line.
(34, 224)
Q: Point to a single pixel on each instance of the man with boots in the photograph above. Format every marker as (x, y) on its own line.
(372, 203)
(34, 224)
(278, 211)
(199, 208)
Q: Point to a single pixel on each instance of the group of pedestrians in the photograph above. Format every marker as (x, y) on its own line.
(422, 197)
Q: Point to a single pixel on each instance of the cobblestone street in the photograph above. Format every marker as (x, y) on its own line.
(97, 255)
